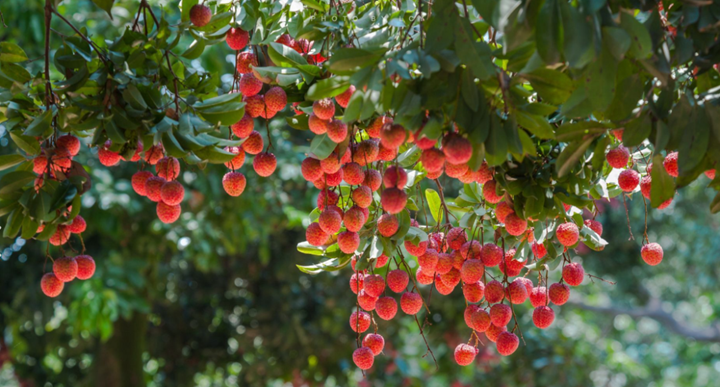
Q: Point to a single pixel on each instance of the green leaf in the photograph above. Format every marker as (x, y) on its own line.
(328, 87)
(636, 131)
(333, 264)
(618, 41)
(15, 220)
(27, 143)
(105, 5)
(552, 86)
(434, 204)
(11, 52)
(591, 239)
(663, 185)
(475, 55)
(694, 142)
(9, 161)
(571, 155)
(307, 248)
(537, 125)
(214, 155)
(285, 56)
(577, 130)
(640, 43)
(322, 146)
(194, 51)
(186, 5)
(548, 32)
(132, 95)
(469, 91)
(14, 180)
(347, 60)
(40, 124)
(63, 195)
(299, 122)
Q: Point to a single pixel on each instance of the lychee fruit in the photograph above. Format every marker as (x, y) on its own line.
(456, 237)
(107, 157)
(515, 225)
(40, 164)
(254, 105)
(398, 280)
(244, 127)
(362, 196)
(337, 131)
(363, 358)
(494, 292)
(386, 154)
(69, 143)
(628, 180)
(538, 296)
(386, 308)
(367, 152)
(491, 255)
(671, 164)
(324, 109)
(493, 331)
(60, 237)
(317, 125)
(234, 183)
(381, 261)
(517, 292)
(507, 343)
(264, 164)
(354, 219)
(543, 316)
(618, 157)
(573, 273)
(154, 154)
(237, 38)
(51, 285)
(444, 263)
(253, 144)
(245, 62)
(387, 225)
(344, 98)
(411, 303)
(710, 174)
(327, 197)
(480, 320)
(249, 85)
(465, 354)
(567, 234)
(78, 225)
(366, 301)
(559, 293)
(86, 267)
(429, 260)
(372, 179)
(433, 159)
(65, 269)
(359, 322)
(539, 250)
(168, 213)
(168, 168)
(356, 282)
(489, 192)
(618, 133)
(353, 174)
(153, 186)
(393, 200)
(375, 342)
(138, 181)
(652, 253)
(330, 221)
(172, 193)
(424, 277)
(502, 210)
(374, 129)
(457, 149)
(594, 225)
(310, 169)
(348, 241)
(471, 250)
(275, 99)
(472, 271)
(315, 235)
(392, 136)
(416, 250)
(500, 314)
(455, 170)
(474, 292)
(395, 177)
(200, 15)
(484, 174)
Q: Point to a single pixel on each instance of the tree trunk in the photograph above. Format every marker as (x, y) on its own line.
(119, 362)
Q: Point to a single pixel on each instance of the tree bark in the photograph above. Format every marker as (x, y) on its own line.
(119, 362)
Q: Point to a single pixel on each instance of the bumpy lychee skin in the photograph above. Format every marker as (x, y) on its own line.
(107, 157)
(472, 270)
(386, 308)
(517, 292)
(332, 179)
(359, 322)
(491, 255)
(456, 237)
(362, 196)
(474, 292)
(398, 280)
(310, 169)
(424, 277)
(69, 143)
(618, 157)
(386, 154)
(348, 241)
(200, 15)
(395, 177)
(567, 234)
(594, 225)
(484, 174)
(502, 210)
(154, 154)
(671, 164)
(515, 225)
(337, 131)
(539, 250)
(480, 320)
(356, 282)
(275, 99)
(433, 159)
(254, 105)
(457, 149)
(443, 288)
(618, 133)
(494, 292)
(374, 129)
(489, 192)
(327, 197)
(244, 127)
(353, 173)
(393, 200)
(500, 315)
(60, 237)
(471, 250)
(411, 303)
(652, 253)
(138, 181)
(245, 62)
(153, 187)
(363, 358)
(387, 225)
(465, 354)
(249, 85)
(40, 164)
(344, 98)
(354, 219)
(330, 221)
(172, 193)
(710, 174)
(645, 185)
(317, 125)
(78, 225)
(573, 274)
(264, 164)
(493, 332)
(416, 250)
(375, 342)
(455, 170)
(374, 284)
(467, 315)
(51, 285)
(507, 343)
(559, 293)
(324, 109)
(168, 213)
(445, 263)
(538, 296)
(393, 136)
(234, 183)
(367, 152)
(168, 168)
(237, 38)
(381, 261)
(628, 180)
(543, 316)
(65, 269)
(86, 267)
(366, 301)
(315, 235)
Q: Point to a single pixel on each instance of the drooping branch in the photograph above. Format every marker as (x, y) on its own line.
(654, 311)
(77, 31)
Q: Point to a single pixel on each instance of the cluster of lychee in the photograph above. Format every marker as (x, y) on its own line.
(66, 269)
(52, 161)
(161, 187)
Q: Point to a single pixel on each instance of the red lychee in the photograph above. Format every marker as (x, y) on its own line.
(710, 174)
(138, 181)
(78, 225)
(366, 301)
(484, 174)
(172, 193)
(51, 285)
(452, 277)
(254, 105)
(433, 159)
(65, 269)
(538, 249)
(348, 241)
(489, 191)
(86, 267)
(465, 354)
(153, 187)
(491, 255)
(327, 197)
(375, 342)
(337, 131)
(387, 225)
(424, 277)
(354, 219)
(168, 168)
(244, 127)
(395, 177)
(168, 213)
(471, 250)
(456, 237)
(411, 303)
(324, 109)
(425, 143)
(386, 308)
(374, 284)
(628, 180)
(538, 296)
(472, 271)
(154, 154)
(353, 174)
(245, 62)
(381, 261)
(237, 38)
(392, 136)
(249, 85)
(594, 225)
(567, 234)
(275, 99)
(455, 170)
(372, 179)
(467, 315)
(428, 261)
(310, 169)
(69, 143)
(618, 157)
(543, 316)
(344, 98)
(362, 196)
(356, 282)
(374, 129)
(367, 152)
(507, 343)
(317, 125)
(234, 183)
(494, 292)
(264, 164)
(559, 293)
(359, 322)
(517, 292)
(315, 235)
(457, 149)
(363, 358)
(652, 253)
(493, 331)
(200, 15)
(474, 292)
(40, 164)
(480, 320)
(671, 164)
(416, 250)
(500, 314)
(393, 200)
(573, 273)
(515, 225)
(60, 237)
(398, 280)
(107, 157)
(386, 154)
(502, 210)
(254, 143)
(330, 221)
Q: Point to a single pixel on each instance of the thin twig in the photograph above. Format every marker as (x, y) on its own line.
(426, 343)
(85, 38)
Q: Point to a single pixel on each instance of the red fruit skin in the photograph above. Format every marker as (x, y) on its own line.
(367, 152)
(710, 174)
(424, 277)
(237, 38)
(65, 269)
(465, 354)
(154, 154)
(507, 343)
(457, 149)
(343, 98)
(327, 197)
(494, 331)
(573, 274)
(200, 15)
(594, 225)
(429, 260)
(618, 157)
(538, 296)
(337, 131)
(330, 221)
(138, 181)
(50, 285)
(386, 308)
(671, 164)
(456, 237)
(374, 129)
(393, 136)
(381, 261)
(354, 219)
(356, 282)
(363, 358)
(69, 143)
(442, 287)
(310, 169)
(317, 125)
(254, 105)
(618, 133)
(411, 303)
(539, 250)
(398, 280)
(472, 271)
(353, 174)
(362, 197)
(40, 164)
(249, 85)
(359, 322)
(445, 263)
(387, 225)
(244, 127)
(494, 292)
(245, 62)
(348, 241)
(543, 316)
(393, 200)
(374, 285)
(234, 183)
(500, 315)
(514, 225)
(168, 168)
(168, 213)
(372, 180)
(395, 177)
(366, 301)
(474, 292)
(455, 170)
(467, 315)
(567, 234)
(471, 250)
(502, 210)
(275, 99)
(375, 342)
(78, 225)
(172, 193)
(315, 235)
(628, 180)
(424, 142)
(107, 157)
(416, 250)
(480, 320)
(489, 192)
(491, 255)
(652, 253)
(484, 174)
(324, 109)
(433, 159)
(264, 164)
(645, 185)
(559, 293)
(86, 267)
(60, 237)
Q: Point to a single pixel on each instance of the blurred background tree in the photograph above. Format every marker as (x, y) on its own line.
(215, 299)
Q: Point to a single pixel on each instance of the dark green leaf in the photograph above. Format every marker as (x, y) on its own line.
(663, 185)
